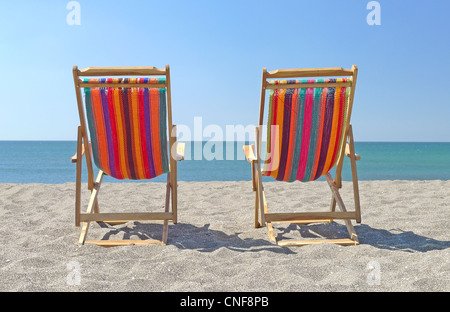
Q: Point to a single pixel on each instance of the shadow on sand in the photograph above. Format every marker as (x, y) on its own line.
(187, 236)
(393, 239)
(204, 239)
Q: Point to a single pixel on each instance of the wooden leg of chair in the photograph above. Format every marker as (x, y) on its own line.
(269, 224)
(257, 224)
(253, 176)
(255, 189)
(78, 178)
(91, 205)
(166, 209)
(258, 174)
(354, 176)
(85, 227)
(332, 206)
(174, 192)
(96, 209)
(341, 205)
(260, 197)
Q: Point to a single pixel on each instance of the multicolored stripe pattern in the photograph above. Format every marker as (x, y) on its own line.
(126, 80)
(128, 128)
(305, 130)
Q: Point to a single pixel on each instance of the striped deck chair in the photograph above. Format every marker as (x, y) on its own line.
(127, 119)
(308, 134)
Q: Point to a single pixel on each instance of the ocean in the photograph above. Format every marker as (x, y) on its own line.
(49, 162)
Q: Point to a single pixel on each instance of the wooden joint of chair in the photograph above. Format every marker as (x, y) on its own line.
(97, 185)
(180, 151)
(347, 152)
(249, 151)
(74, 157)
(176, 148)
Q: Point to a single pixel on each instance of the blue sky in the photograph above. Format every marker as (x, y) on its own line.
(216, 51)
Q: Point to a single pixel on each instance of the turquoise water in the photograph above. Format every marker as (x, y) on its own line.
(49, 162)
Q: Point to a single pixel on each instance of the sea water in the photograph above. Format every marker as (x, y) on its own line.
(49, 162)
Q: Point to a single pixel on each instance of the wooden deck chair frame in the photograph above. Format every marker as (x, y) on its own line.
(253, 155)
(84, 149)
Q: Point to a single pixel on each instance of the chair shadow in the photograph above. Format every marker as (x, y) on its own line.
(204, 239)
(397, 239)
(393, 239)
(188, 236)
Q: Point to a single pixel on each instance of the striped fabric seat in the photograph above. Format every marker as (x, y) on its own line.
(128, 128)
(305, 130)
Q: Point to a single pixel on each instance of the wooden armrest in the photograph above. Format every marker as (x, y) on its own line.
(74, 157)
(347, 152)
(249, 151)
(180, 151)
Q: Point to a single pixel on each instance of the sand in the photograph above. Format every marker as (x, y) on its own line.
(404, 236)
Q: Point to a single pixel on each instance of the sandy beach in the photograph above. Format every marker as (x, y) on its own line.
(404, 239)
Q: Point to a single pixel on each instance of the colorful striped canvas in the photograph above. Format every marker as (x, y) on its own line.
(128, 128)
(305, 130)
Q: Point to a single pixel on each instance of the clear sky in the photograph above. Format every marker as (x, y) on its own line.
(216, 51)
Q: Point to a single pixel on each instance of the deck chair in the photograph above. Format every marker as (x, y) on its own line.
(308, 134)
(127, 120)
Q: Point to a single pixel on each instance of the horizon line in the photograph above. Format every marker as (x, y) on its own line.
(362, 141)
